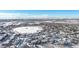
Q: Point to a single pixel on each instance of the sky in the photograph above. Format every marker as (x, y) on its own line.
(38, 14)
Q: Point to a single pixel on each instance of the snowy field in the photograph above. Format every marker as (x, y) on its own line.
(27, 29)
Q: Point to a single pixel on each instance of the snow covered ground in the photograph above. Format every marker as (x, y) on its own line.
(27, 29)
(68, 22)
(39, 34)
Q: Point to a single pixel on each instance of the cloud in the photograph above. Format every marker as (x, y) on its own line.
(21, 16)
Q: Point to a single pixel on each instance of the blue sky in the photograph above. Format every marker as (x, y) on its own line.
(53, 13)
(50, 12)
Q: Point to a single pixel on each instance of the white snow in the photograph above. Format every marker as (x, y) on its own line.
(28, 29)
(8, 23)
